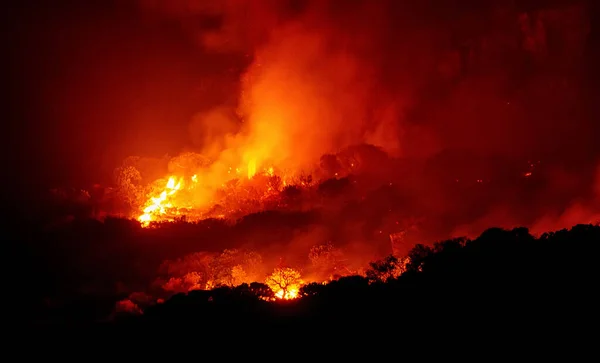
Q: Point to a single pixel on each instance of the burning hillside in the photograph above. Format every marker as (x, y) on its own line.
(327, 134)
(306, 105)
(243, 190)
(323, 96)
(192, 198)
(359, 205)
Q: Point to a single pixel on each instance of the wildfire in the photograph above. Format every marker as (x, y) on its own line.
(287, 295)
(251, 168)
(158, 205)
(199, 193)
(285, 283)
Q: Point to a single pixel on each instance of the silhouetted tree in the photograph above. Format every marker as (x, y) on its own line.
(417, 257)
(385, 269)
(284, 281)
(311, 289)
(233, 267)
(261, 290)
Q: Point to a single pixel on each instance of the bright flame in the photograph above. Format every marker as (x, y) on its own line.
(285, 283)
(158, 205)
(194, 196)
(287, 295)
(251, 168)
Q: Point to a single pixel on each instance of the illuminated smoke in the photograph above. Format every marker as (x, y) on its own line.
(416, 80)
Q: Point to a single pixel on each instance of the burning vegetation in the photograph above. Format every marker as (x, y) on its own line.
(231, 268)
(325, 112)
(285, 283)
(339, 149)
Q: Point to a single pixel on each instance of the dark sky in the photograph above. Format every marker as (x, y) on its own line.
(91, 83)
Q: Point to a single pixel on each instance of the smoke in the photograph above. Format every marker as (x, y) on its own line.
(568, 199)
(222, 26)
(322, 77)
(417, 80)
(597, 185)
(579, 211)
(303, 98)
(327, 74)
(213, 130)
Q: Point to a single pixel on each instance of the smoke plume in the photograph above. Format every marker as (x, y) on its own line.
(419, 80)
(327, 74)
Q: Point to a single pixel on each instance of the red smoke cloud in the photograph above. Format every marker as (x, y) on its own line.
(487, 81)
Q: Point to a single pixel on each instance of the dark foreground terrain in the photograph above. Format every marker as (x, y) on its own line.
(504, 284)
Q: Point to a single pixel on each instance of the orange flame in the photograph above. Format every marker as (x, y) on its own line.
(158, 205)
(198, 193)
(287, 295)
(251, 168)
(285, 283)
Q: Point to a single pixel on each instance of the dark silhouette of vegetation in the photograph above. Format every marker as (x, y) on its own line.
(83, 266)
(502, 278)
(503, 282)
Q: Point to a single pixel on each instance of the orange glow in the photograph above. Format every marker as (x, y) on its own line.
(285, 283)
(251, 168)
(158, 205)
(194, 196)
(287, 295)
